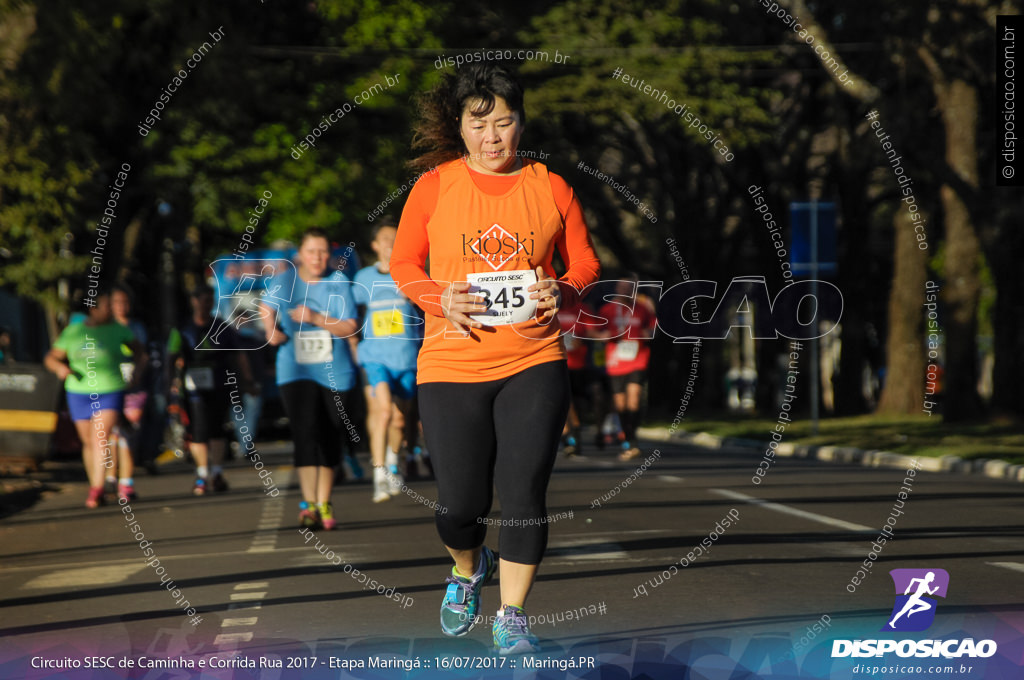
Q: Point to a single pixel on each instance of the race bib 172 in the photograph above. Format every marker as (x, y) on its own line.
(313, 347)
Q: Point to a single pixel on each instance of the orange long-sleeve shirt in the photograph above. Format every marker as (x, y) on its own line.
(456, 222)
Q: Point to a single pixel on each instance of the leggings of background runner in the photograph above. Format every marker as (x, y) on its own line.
(315, 418)
(500, 433)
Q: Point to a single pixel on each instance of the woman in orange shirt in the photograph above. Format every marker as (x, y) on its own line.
(493, 385)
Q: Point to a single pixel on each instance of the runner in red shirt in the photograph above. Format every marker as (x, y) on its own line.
(631, 323)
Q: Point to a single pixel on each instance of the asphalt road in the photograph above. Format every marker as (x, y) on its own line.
(75, 583)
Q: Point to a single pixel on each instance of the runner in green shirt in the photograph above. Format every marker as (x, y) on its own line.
(92, 358)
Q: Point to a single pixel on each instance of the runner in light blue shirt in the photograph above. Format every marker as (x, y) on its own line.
(392, 335)
(308, 315)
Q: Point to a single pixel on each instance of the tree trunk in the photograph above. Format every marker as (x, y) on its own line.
(905, 350)
(958, 102)
(1007, 318)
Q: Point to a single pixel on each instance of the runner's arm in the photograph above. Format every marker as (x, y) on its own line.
(274, 335)
(574, 245)
(56, 362)
(412, 247)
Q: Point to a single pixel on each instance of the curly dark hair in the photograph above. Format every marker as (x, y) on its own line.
(440, 109)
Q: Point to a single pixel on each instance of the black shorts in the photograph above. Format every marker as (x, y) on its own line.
(619, 382)
(206, 414)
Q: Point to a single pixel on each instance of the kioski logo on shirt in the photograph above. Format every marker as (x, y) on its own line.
(914, 609)
(496, 246)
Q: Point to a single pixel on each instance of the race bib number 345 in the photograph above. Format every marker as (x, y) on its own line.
(506, 296)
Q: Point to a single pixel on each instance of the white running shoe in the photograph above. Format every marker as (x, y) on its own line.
(380, 485)
(395, 481)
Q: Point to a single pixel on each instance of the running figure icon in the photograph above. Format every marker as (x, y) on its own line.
(915, 604)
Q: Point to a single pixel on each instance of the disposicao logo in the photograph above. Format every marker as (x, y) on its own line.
(914, 610)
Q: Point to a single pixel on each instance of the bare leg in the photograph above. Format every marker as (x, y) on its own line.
(89, 456)
(396, 427)
(633, 392)
(378, 406)
(103, 424)
(308, 476)
(200, 454)
(125, 464)
(516, 582)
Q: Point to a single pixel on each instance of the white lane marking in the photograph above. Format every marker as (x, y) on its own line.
(1012, 566)
(571, 548)
(785, 509)
(315, 559)
(371, 547)
(225, 638)
(253, 592)
(245, 605)
(616, 534)
(271, 512)
(670, 478)
(248, 596)
(248, 621)
(587, 548)
(90, 576)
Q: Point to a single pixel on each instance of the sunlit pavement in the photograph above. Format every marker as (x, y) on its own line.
(645, 557)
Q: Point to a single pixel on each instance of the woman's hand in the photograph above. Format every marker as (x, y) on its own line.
(304, 315)
(277, 336)
(457, 302)
(55, 361)
(548, 296)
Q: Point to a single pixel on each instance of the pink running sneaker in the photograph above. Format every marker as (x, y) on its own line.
(95, 498)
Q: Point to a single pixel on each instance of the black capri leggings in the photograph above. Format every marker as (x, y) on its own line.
(315, 417)
(500, 433)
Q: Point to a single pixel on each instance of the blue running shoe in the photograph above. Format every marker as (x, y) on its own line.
(308, 515)
(512, 632)
(462, 598)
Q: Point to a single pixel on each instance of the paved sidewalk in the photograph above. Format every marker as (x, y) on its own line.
(993, 468)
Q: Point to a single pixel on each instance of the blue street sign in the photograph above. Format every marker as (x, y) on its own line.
(813, 224)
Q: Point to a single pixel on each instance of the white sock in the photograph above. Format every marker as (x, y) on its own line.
(202, 472)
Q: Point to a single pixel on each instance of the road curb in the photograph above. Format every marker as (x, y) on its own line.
(987, 467)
